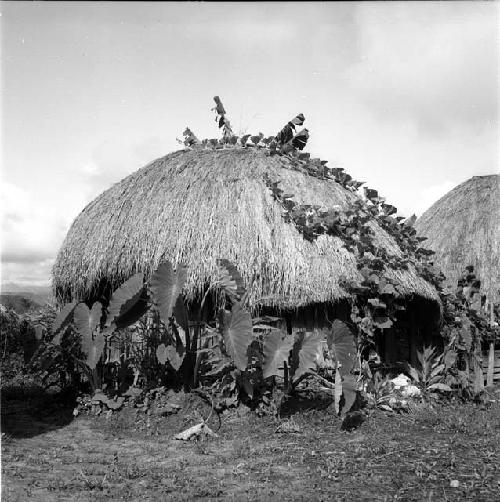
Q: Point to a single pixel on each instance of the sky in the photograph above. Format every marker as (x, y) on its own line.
(403, 96)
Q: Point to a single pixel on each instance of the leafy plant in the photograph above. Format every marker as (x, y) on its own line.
(128, 304)
(430, 374)
(276, 350)
(236, 329)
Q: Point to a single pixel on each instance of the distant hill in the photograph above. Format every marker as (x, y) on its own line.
(39, 295)
(19, 303)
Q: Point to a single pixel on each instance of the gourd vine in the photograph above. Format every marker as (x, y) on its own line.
(377, 298)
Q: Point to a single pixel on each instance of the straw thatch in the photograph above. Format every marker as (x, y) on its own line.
(195, 206)
(463, 228)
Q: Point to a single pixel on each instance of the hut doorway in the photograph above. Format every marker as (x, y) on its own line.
(417, 326)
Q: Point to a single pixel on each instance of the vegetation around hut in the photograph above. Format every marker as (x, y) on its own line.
(252, 280)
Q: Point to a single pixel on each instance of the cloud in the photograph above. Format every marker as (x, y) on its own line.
(31, 231)
(113, 160)
(435, 66)
(26, 274)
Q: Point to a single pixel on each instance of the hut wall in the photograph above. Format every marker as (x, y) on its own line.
(417, 326)
(319, 316)
(491, 366)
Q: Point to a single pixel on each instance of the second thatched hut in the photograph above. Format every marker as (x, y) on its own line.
(463, 228)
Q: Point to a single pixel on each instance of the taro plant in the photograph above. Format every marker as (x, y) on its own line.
(244, 359)
(430, 375)
(234, 332)
(92, 328)
(295, 357)
(342, 346)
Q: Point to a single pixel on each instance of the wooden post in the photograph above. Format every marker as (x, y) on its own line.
(478, 375)
(413, 338)
(491, 365)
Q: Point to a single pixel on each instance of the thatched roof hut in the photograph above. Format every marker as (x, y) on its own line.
(195, 206)
(463, 228)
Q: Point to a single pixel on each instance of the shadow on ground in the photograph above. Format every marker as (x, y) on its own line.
(27, 413)
(300, 403)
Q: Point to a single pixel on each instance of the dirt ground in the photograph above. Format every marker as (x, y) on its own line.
(448, 453)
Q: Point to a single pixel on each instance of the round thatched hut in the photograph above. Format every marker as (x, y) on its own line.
(463, 228)
(196, 206)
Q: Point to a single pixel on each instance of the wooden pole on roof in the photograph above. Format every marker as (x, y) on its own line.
(491, 353)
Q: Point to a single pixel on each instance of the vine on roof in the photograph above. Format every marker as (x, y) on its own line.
(377, 299)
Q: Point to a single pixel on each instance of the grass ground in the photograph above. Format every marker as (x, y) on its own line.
(448, 453)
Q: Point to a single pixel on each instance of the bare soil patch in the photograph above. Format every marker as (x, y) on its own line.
(449, 453)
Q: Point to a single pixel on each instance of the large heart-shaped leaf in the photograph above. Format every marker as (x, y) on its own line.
(450, 357)
(465, 334)
(349, 392)
(440, 386)
(277, 347)
(168, 353)
(181, 314)
(128, 303)
(237, 332)
(305, 353)
(38, 331)
(62, 320)
(342, 344)
(95, 349)
(85, 320)
(166, 286)
(230, 279)
(338, 391)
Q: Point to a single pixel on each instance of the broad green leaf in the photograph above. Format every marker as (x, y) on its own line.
(439, 386)
(299, 141)
(450, 358)
(342, 345)
(277, 347)
(349, 392)
(231, 280)
(181, 314)
(164, 354)
(413, 373)
(245, 381)
(338, 391)
(161, 353)
(126, 305)
(167, 286)
(298, 120)
(305, 353)
(437, 370)
(388, 290)
(409, 222)
(236, 327)
(85, 320)
(62, 320)
(95, 348)
(219, 107)
(38, 331)
(138, 307)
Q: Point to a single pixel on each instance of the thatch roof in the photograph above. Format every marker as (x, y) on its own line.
(195, 206)
(463, 228)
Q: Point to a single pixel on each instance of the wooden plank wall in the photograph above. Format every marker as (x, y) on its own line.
(491, 362)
